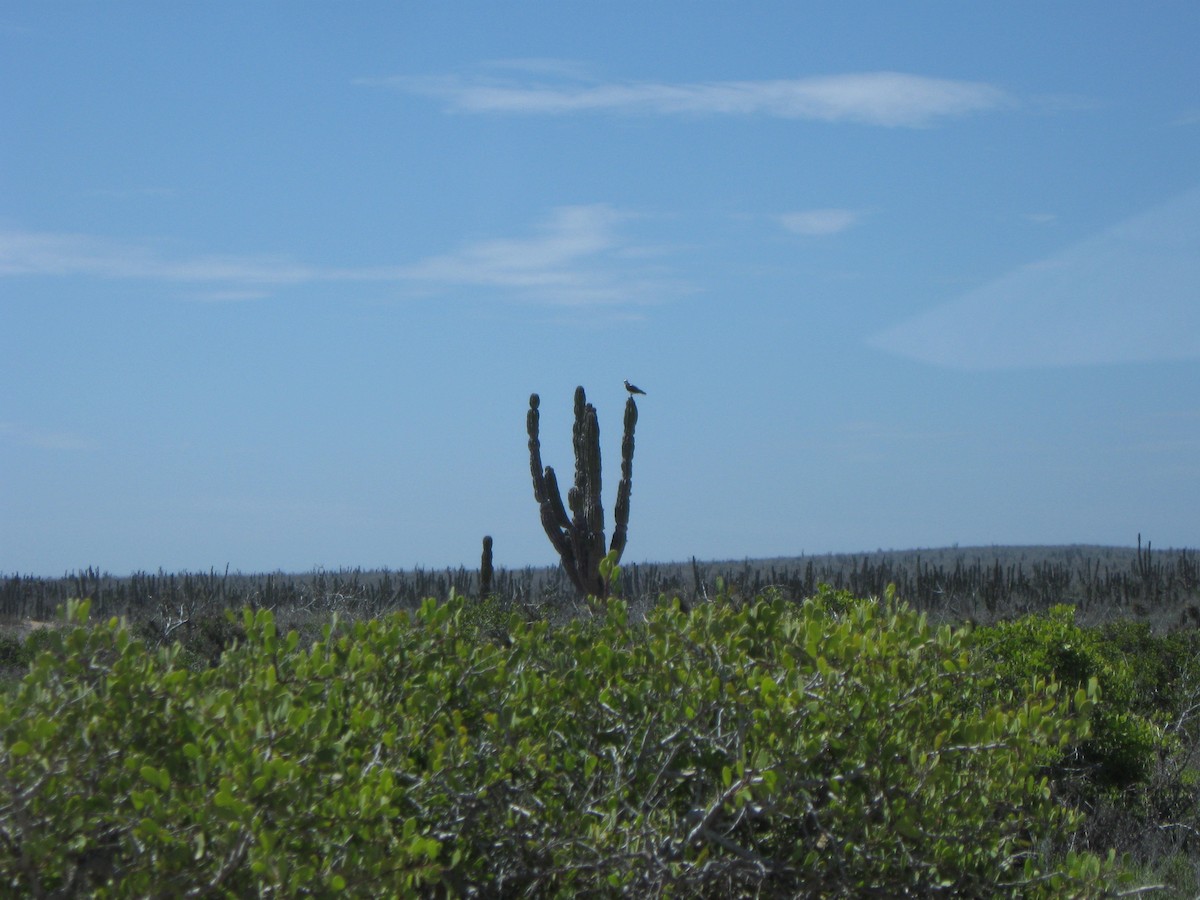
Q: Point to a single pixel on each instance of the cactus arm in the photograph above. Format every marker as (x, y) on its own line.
(625, 488)
(535, 449)
(583, 432)
(555, 521)
(578, 438)
(558, 528)
(557, 512)
(545, 485)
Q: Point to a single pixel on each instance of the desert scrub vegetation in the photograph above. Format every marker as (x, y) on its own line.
(834, 748)
(983, 584)
(1136, 776)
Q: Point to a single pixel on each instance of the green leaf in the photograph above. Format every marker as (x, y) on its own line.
(20, 748)
(149, 828)
(155, 777)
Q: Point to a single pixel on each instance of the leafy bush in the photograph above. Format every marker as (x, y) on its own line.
(1123, 745)
(1159, 818)
(40, 639)
(12, 652)
(838, 748)
(1164, 672)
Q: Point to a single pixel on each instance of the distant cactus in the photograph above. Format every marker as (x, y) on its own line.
(485, 568)
(579, 539)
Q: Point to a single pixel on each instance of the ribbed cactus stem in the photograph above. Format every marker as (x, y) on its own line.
(545, 491)
(485, 568)
(535, 448)
(625, 488)
(586, 505)
(580, 440)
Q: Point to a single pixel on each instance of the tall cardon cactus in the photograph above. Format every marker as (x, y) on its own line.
(579, 538)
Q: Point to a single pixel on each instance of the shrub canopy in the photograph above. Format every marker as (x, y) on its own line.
(838, 747)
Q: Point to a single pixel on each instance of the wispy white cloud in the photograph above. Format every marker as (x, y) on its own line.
(135, 193)
(230, 295)
(1188, 117)
(593, 317)
(543, 66)
(1041, 218)
(1131, 294)
(817, 222)
(873, 98)
(1053, 104)
(43, 439)
(577, 256)
(571, 233)
(52, 253)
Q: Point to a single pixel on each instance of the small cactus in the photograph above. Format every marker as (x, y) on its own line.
(485, 568)
(579, 538)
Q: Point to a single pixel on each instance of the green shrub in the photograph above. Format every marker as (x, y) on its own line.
(1164, 672)
(13, 654)
(40, 639)
(822, 750)
(1124, 744)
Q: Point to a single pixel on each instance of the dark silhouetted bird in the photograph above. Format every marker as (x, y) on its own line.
(633, 388)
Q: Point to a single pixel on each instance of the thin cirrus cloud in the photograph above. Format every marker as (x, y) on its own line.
(892, 99)
(43, 439)
(818, 222)
(1129, 294)
(1188, 117)
(68, 254)
(576, 256)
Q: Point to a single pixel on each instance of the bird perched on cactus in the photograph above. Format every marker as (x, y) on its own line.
(633, 388)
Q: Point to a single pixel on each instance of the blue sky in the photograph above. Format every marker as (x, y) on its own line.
(277, 279)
